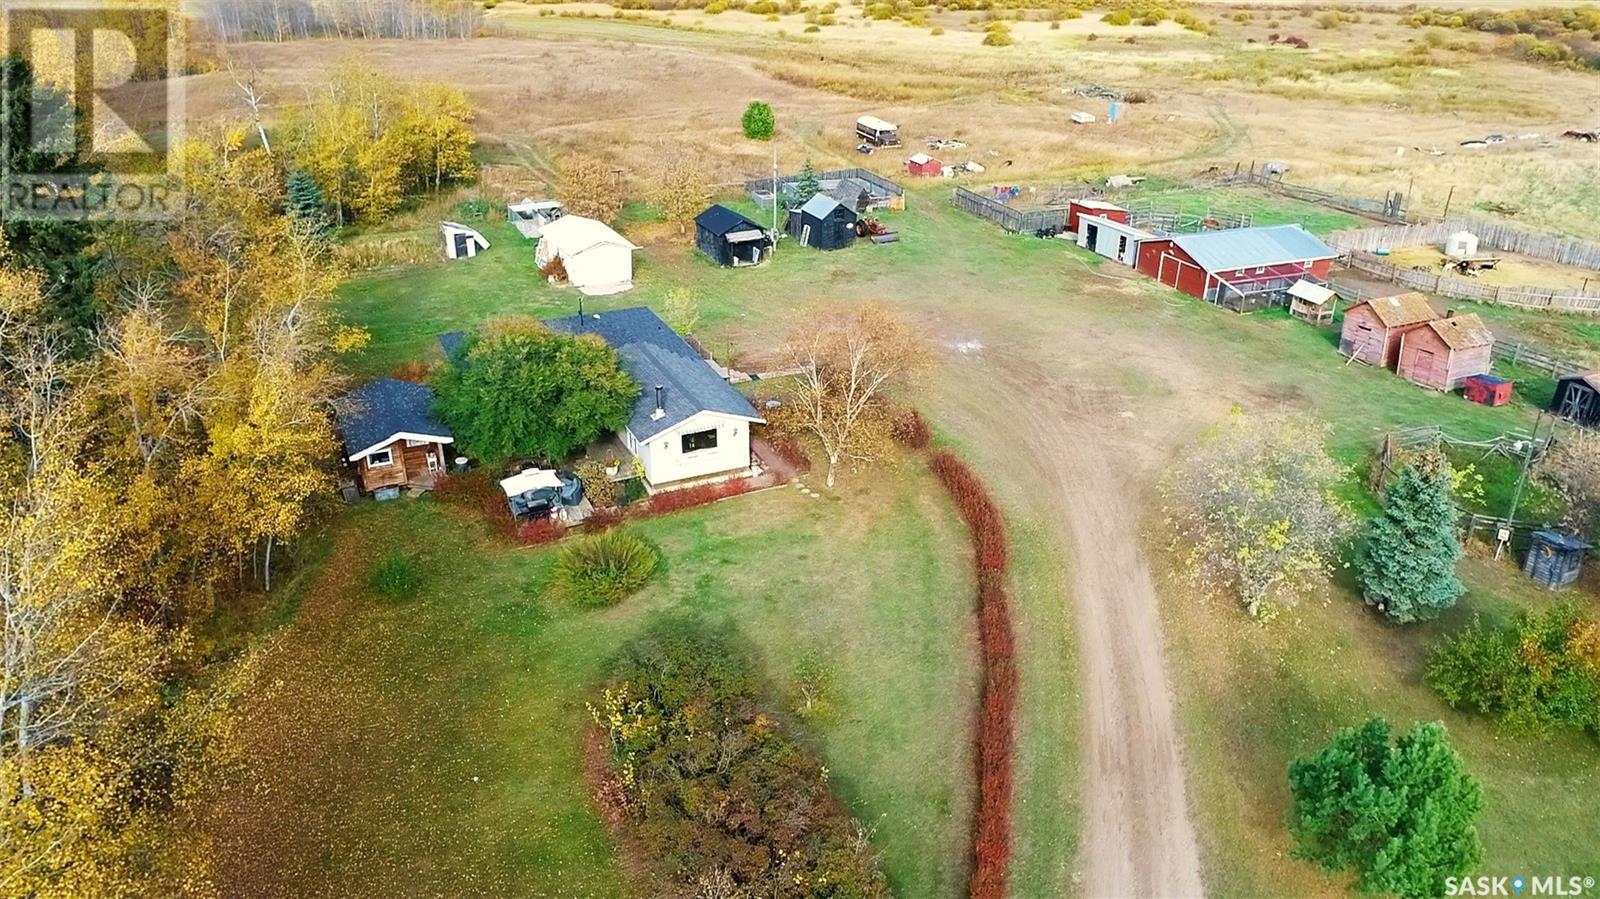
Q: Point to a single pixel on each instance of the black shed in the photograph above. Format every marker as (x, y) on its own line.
(824, 223)
(728, 238)
(1554, 559)
(1577, 399)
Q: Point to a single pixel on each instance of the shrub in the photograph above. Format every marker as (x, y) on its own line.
(478, 492)
(539, 531)
(689, 497)
(396, 576)
(789, 449)
(998, 36)
(758, 121)
(812, 29)
(812, 689)
(601, 570)
(1118, 17)
(911, 430)
(1401, 814)
(714, 789)
(1541, 669)
(997, 709)
(602, 491)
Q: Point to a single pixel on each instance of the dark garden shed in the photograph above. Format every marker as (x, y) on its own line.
(728, 238)
(1554, 559)
(1577, 399)
(824, 223)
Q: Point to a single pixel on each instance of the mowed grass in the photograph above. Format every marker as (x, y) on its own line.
(1254, 697)
(434, 745)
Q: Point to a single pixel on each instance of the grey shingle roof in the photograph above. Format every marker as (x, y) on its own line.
(819, 206)
(654, 355)
(1239, 248)
(720, 220)
(375, 412)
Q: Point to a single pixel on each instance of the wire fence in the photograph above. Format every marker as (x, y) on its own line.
(1389, 208)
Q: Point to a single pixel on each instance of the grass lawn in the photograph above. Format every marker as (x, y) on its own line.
(1255, 697)
(432, 745)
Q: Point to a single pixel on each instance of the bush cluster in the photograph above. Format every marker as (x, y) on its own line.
(689, 497)
(712, 788)
(911, 430)
(1539, 670)
(599, 570)
(996, 719)
(477, 492)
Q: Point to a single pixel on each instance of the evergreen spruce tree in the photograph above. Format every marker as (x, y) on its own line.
(1409, 566)
(305, 203)
(806, 186)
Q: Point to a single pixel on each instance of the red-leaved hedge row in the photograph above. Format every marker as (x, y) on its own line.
(689, 497)
(997, 712)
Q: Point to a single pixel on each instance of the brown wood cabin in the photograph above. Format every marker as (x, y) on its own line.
(391, 437)
(1446, 352)
(1373, 328)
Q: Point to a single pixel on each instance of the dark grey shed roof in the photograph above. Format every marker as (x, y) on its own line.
(655, 355)
(375, 413)
(720, 220)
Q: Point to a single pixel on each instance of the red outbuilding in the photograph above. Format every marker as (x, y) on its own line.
(1243, 269)
(923, 164)
(1076, 209)
(1446, 352)
(1372, 328)
(1487, 390)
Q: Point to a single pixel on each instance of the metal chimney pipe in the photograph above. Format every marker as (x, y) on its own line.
(659, 391)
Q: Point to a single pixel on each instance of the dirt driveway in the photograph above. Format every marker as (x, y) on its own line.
(1080, 466)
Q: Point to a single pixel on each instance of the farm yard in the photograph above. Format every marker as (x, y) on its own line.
(1071, 522)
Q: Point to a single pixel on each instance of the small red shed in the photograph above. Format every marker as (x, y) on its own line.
(1079, 208)
(1487, 390)
(923, 164)
(1446, 352)
(1372, 328)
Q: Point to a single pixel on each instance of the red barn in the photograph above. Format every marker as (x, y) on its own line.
(1243, 269)
(1372, 328)
(923, 164)
(1446, 352)
(1079, 208)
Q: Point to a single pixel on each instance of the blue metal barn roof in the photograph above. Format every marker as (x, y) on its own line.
(1242, 248)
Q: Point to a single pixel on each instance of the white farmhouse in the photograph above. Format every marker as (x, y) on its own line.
(688, 423)
(598, 260)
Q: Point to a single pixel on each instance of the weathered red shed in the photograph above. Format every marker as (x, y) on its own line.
(923, 164)
(1373, 328)
(1446, 351)
(1076, 209)
(1243, 269)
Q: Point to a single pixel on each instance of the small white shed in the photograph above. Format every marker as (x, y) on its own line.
(598, 260)
(1461, 244)
(530, 216)
(460, 241)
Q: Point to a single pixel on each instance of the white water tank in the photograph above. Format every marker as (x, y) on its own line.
(1461, 244)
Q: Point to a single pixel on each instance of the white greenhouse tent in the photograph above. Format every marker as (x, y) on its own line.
(598, 260)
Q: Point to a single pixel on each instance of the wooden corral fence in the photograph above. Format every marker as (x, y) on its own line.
(1533, 357)
(1176, 221)
(1491, 234)
(1551, 299)
(1014, 220)
(1390, 208)
(1513, 444)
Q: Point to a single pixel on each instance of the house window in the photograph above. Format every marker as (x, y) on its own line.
(1306, 264)
(411, 442)
(700, 440)
(380, 458)
(1260, 269)
(433, 462)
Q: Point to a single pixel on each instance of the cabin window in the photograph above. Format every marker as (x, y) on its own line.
(411, 442)
(1260, 269)
(1306, 264)
(380, 458)
(700, 440)
(433, 462)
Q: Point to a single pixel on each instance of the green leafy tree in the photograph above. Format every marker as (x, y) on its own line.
(1536, 671)
(1400, 814)
(805, 187)
(306, 205)
(758, 122)
(1409, 565)
(522, 389)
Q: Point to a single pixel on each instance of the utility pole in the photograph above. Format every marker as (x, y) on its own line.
(1447, 198)
(774, 199)
(1504, 537)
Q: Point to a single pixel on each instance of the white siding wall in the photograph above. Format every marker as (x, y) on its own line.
(1108, 235)
(665, 461)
